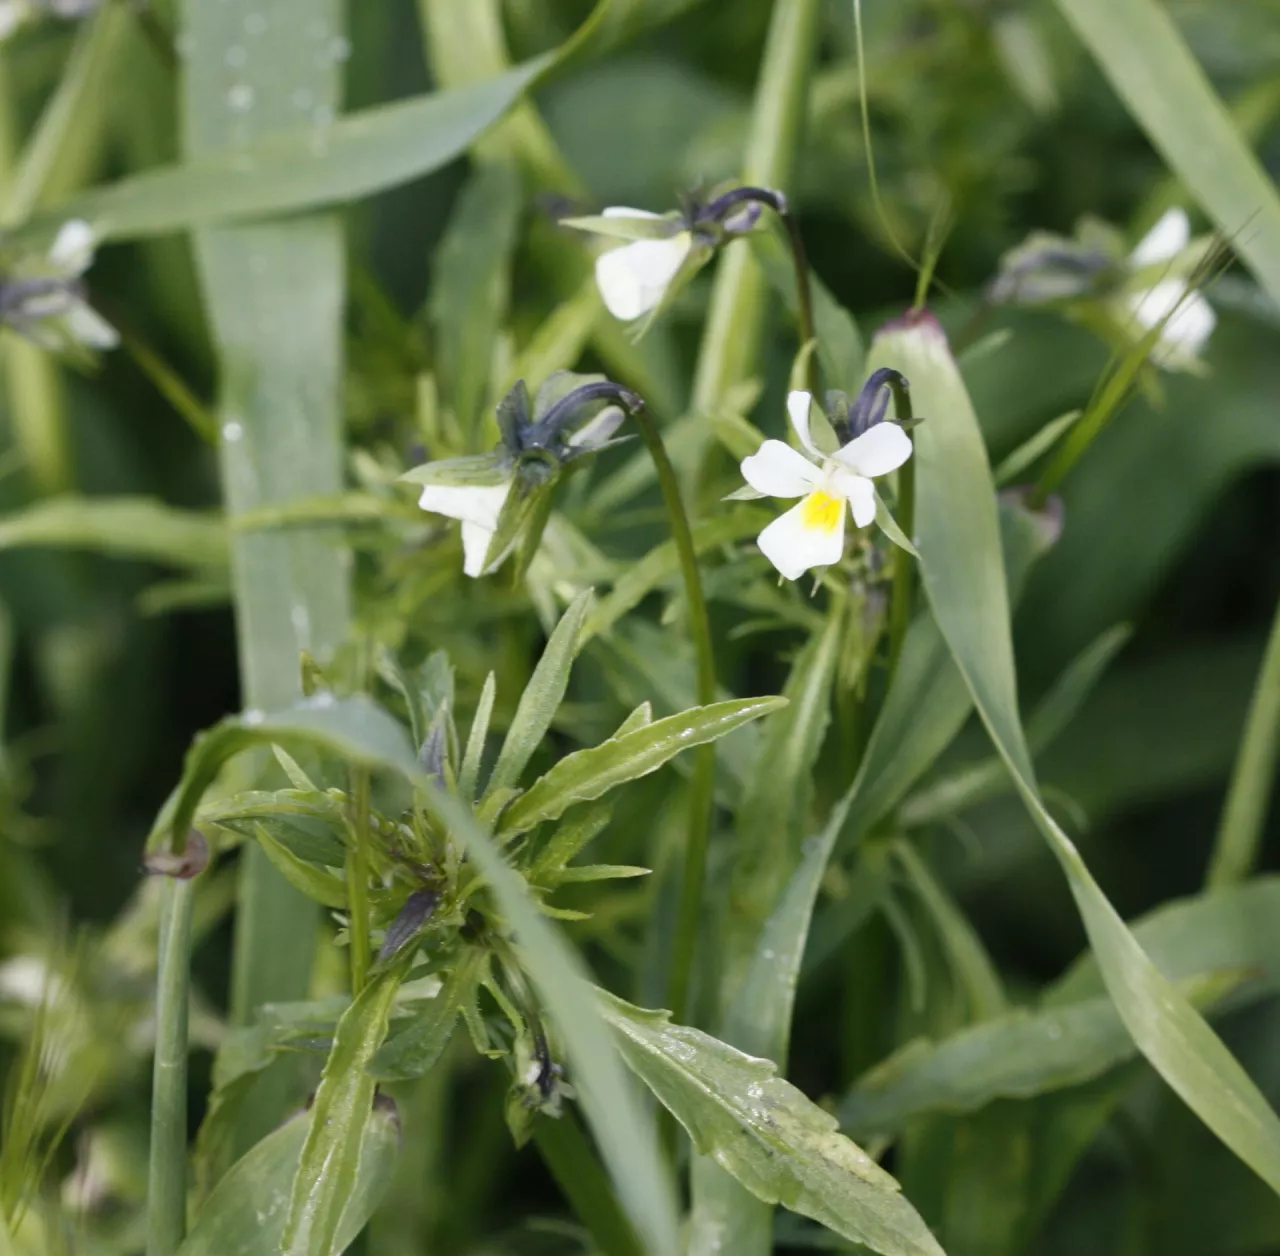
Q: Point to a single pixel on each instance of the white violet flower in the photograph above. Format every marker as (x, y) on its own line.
(634, 278)
(811, 534)
(478, 507)
(1191, 319)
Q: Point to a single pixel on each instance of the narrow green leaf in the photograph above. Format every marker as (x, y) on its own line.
(305, 877)
(1151, 69)
(341, 1114)
(414, 1050)
(470, 289)
(126, 527)
(474, 752)
(541, 698)
(305, 168)
(761, 1129)
(959, 542)
(569, 838)
(1017, 1055)
(245, 1214)
(590, 774)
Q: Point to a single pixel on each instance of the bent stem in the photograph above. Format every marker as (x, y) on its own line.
(1236, 848)
(695, 851)
(167, 1168)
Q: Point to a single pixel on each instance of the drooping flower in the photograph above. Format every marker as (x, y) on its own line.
(811, 534)
(664, 251)
(46, 301)
(498, 496)
(1188, 319)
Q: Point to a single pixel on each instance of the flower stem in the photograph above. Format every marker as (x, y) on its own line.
(1252, 779)
(695, 851)
(167, 1170)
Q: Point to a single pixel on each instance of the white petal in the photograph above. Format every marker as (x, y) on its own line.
(1165, 240)
(12, 14)
(634, 278)
(798, 404)
(622, 211)
(1191, 325)
(1191, 318)
(860, 494)
(87, 327)
(472, 503)
(600, 429)
(877, 451)
(475, 545)
(793, 544)
(72, 249)
(777, 470)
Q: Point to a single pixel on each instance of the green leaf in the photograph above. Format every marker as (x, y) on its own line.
(1151, 69)
(414, 1050)
(474, 752)
(761, 1129)
(590, 774)
(292, 170)
(351, 728)
(126, 527)
(1016, 1055)
(960, 565)
(341, 1114)
(245, 1214)
(474, 469)
(569, 838)
(541, 698)
(469, 294)
(305, 877)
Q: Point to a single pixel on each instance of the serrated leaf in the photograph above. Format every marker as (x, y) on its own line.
(960, 564)
(541, 698)
(590, 774)
(602, 872)
(474, 752)
(569, 838)
(473, 470)
(341, 1113)
(245, 1213)
(766, 1133)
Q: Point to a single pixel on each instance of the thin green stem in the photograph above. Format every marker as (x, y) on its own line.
(903, 567)
(804, 297)
(1240, 834)
(695, 852)
(357, 871)
(167, 1172)
(579, 1174)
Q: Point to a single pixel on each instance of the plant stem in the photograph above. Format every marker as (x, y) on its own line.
(903, 567)
(357, 871)
(700, 803)
(577, 1170)
(167, 1171)
(1236, 849)
(804, 297)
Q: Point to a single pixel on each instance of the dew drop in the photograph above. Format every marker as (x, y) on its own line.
(322, 116)
(301, 620)
(237, 56)
(253, 716)
(232, 431)
(340, 49)
(255, 23)
(240, 98)
(303, 99)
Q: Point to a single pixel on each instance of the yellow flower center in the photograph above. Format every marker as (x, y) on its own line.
(821, 512)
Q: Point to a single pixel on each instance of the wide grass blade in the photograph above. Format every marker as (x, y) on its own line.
(958, 532)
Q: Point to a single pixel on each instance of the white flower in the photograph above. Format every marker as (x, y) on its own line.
(12, 15)
(478, 507)
(633, 279)
(1190, 317)
(812, 533)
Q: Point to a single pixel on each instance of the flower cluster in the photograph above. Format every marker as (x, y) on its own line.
(45, 300)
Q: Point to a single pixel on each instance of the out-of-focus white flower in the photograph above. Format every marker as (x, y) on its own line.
(811, 534)
(633, 279)
(13, 13)
(46, 301)
(1190, 318)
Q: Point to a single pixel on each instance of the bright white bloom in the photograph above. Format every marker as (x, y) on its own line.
(811, 534)
(478, 507)
(1191, 317)
(12, 15)
(633, 279)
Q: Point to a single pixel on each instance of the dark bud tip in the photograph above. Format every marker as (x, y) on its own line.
(405, 927)
(183, 864)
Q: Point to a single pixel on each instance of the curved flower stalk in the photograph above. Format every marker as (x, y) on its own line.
(45, 300)
(662, 252)
(812, 533)
(1151, 289)
(501, 498)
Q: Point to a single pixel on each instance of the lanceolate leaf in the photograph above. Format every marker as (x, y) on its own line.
(960, 564)
(589, 774)
(541, 698)
(245, 1214)
(341, 1113)
(761, 1129)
